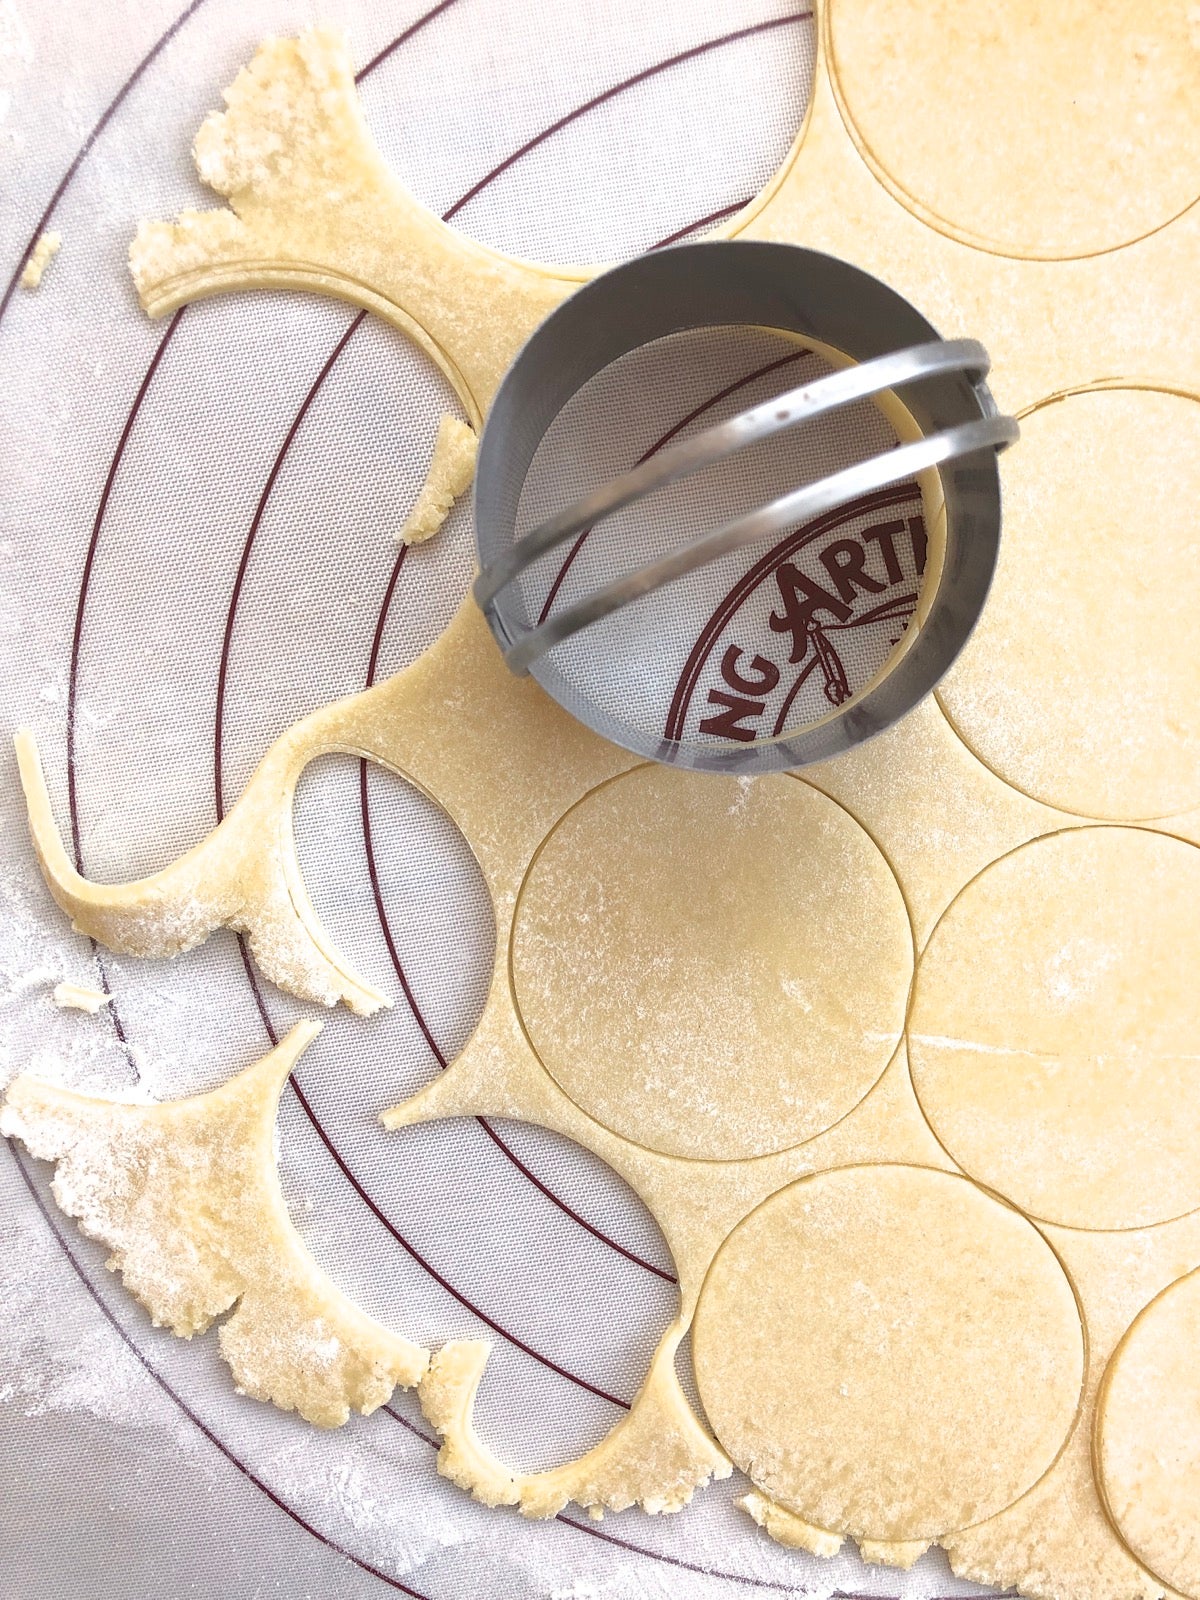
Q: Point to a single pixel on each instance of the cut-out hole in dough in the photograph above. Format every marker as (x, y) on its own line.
(423, 912)
(1148, 1437)
(712, 967)
(1044, 131)
(543, 1275)
(1055, 1024)
(1081, 684)
(721, 120)
(888, 1352)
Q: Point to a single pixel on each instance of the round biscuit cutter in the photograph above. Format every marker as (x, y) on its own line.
(890, 351)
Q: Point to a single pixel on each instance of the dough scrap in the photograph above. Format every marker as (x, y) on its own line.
(712, 967)
(1055, 1028)
(1105, 146)
(656, 1457)
(1148, 1437)
(312, 205)
(187, 1197)
(888, 1353)
(786, 1528)
(78, 997)
(1081, 683)
(450, 472)
(47, 247)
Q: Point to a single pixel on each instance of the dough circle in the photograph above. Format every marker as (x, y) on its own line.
(1038, 131)
(1081, 684)
(1148, 1437)
(712, 967)
(1055, 1026)
(888, 1352)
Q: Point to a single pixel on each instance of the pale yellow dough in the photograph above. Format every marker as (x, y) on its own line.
(1118, 741)
(1055, 1028)
(1039, 130)
(187, 1198)
(78, 997)
(1081, 684)
(711, 966)
(450, 472)
(888, 1352)
(1148, 1437)
(40, 257)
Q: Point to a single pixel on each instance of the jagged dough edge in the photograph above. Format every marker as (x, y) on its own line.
(186, 1196)
(244, 876)
(292, 112)
(656, 1457)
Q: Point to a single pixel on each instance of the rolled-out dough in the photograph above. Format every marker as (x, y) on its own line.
(1054, 1036)
(1035, 130)
(1148, 1437)
(888, 1352)
(1081, 683)
(712, 967)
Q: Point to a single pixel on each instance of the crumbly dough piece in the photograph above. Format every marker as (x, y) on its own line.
(1055, 1026)
(313, 205)
(450, 472)
(1081, 683)
(889, 1353)
(78, 997)
(1148, 1437)
(1106, 144)
(187, 1197)
(786, 1528)
(40, 257)
(709, 966)
(657, 1457)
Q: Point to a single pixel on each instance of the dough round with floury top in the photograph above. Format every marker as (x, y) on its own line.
(1054, 1037)
(1081, 683)
(712, 967)
(888, 1352)
(1036, 130)
(1148, 1437)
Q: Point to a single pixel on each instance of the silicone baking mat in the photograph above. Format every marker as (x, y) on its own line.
(195, 548)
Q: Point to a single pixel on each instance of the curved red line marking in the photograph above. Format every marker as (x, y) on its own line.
(619, 88)
(173, 1393)
(677, 427)
(402, 38)
(85, 581)
(85, 148)
(243, 564)
(702, 222)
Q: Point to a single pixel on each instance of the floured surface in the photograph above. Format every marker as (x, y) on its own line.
(1081, 684)
(712, 967)
(1147, 1433)
(1073, 126)
(889, 1353)
(971, 812)
(187, 1199)
(1054, 1025)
